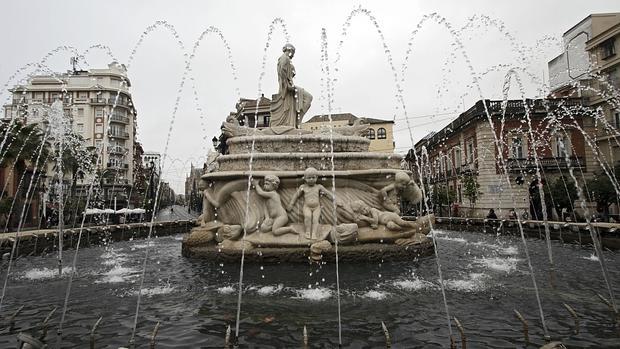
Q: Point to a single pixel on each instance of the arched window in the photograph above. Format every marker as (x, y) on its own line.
(371, 133)
(381, 134)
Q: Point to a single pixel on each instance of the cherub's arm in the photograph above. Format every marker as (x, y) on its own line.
(295, 197)
(260, 190)
(366, 219)
(374, 213)
(325, 192)
(210, 199)
(384, 191)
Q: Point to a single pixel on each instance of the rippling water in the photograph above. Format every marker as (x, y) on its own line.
(486, 278)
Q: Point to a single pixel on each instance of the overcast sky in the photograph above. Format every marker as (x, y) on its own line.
(437, 82)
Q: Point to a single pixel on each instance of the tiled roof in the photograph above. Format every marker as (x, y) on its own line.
(346, 117)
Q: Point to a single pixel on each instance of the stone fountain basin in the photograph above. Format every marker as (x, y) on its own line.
(301, 161)
(302, 143)
(369, 252)
(299, 173)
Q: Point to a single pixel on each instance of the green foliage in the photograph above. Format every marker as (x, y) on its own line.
(22, 145)
(563, 193)
(471, 188)
(443, 195)
(602, 189)
(5, 205)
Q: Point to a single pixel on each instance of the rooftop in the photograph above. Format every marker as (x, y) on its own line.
(346, 117)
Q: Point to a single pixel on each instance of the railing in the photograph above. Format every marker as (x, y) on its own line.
(121, 102)
(115, 181)
(118, 118)
(118, 134)
(97, 100)
(117, 166)
(548, 163)
(117, 149)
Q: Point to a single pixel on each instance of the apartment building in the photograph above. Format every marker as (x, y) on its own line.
(468, 148)
(589, 68)
(98, 106)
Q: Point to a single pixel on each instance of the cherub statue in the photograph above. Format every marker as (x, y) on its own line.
(374, 217)
(276, 219)
(404, 186)
(312, 207)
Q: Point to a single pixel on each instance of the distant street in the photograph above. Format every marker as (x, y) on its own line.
(178, 213)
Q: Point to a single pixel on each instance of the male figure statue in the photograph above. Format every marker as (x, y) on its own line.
(312, 207)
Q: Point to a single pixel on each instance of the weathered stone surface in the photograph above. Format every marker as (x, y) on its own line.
(358, 253)
(199, 237)
(301, 161)
(302, 143)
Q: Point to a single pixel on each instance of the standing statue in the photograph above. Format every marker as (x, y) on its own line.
(312, 207)
(289, 106)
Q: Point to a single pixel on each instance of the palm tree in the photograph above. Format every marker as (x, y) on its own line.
(25, 144)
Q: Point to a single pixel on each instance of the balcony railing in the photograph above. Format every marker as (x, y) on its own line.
(117, 166)
(547, 164)
(118, 118)
(117, 149)
(98, 101)
(118, 134)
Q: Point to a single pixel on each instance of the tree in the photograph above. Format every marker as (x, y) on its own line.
(471, 189)
(602, 190)
(443, 196)
(24, 146)
(563, 193)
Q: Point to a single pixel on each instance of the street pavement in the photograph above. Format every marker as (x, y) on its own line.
(177, 213)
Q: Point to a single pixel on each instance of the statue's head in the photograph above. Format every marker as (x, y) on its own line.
(272, 182)
(358, 206)
(311, 175)
(401, 179)
(290, 49)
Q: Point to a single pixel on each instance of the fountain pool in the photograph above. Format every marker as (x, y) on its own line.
(486, 278)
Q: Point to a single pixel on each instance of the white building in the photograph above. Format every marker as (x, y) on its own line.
(99, 107)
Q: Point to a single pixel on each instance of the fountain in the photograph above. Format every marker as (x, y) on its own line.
(297, 204)
(286, 214)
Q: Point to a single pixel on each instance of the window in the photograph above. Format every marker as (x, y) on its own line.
(99, 112)
(381, 134)
(470, 151)
(516, 151)
(608, 48)
(457, 158)
(617, 121)
(80, 112)
(99, 128)
(371, 133)
(80, 128)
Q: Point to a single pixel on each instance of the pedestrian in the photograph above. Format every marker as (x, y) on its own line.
(492, 214)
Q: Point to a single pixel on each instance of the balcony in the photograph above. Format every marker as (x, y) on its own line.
(118, 134)
(120, 102)
(115, 181)
(117, 166)
(97, 101)
(118, 118)
(548, 164)
(117, 149)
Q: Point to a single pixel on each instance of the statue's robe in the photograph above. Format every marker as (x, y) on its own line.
(291, 102)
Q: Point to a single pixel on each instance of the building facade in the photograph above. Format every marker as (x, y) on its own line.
(465, 157)
(98, 105)
(380, 132)
(193, 194)
(589, 68)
